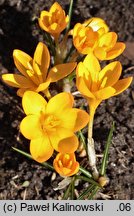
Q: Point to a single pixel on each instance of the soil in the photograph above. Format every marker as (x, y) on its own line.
(19, 29)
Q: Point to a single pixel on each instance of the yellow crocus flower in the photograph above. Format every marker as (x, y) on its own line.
(107, 47)
(54, 21)
(84, 38)
(51, 126)
(66, 164)
(97, 24)
(35, 74)
(96, 39)
(96, 84)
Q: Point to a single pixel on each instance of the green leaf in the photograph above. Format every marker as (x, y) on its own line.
(70, 15)
(50, 42)
(80, 134)
(72, 188)
(85, 172)
(69, 53)
(72, 76)
(86, 192)
(88, 180)
(106, 151)
(95, 190)
(67, 192)
(45, 164)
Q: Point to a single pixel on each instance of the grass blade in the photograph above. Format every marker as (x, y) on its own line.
(87, 180)
(69, 53)
(85, 172)
(80, 134)
(86, 192)
(93, 193)
(106, 151)
(72, 188)
(67, 192)
(70, 15)
(50, 42)
(45, 164)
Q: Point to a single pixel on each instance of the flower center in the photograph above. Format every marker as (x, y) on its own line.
(65, 161)
(50, 123)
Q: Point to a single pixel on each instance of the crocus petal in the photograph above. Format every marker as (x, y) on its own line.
(21, 91)
(41, 149)
(83, 88)
(96, 24)
(54, 27)
(108, 40)
(43, 86)
(74, 169)
(84, 38)
(66, 171)
(66, 164)
(44, 20)
(67, 118)
(30, 127)
(82, 119)
(37, 73)
(74, 119)
(82, 71)
(54, 21)
(62, 136)
(33, 103)
(112, 72)
(21, 60)
(16, 80)
(115, 51)
(76, 29)
(122, 85)
(68, 145)
(59, 103)
(104, 93)
(45, 13)
(100, 53)
(60, 71)
(42, 58)
(92, 64)
(55, 7)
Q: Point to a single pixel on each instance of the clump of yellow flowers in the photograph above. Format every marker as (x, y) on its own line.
(52, 123)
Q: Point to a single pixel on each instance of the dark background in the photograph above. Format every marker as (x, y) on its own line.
(19, 29)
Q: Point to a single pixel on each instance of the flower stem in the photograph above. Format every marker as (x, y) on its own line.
(50, 42)
(69, 54)
(66, 85)
(90, 145)
(90, 126)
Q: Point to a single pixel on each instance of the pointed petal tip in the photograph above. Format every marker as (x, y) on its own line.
(60, 71)
(16, 52)
(16, 80)
(122, 85)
